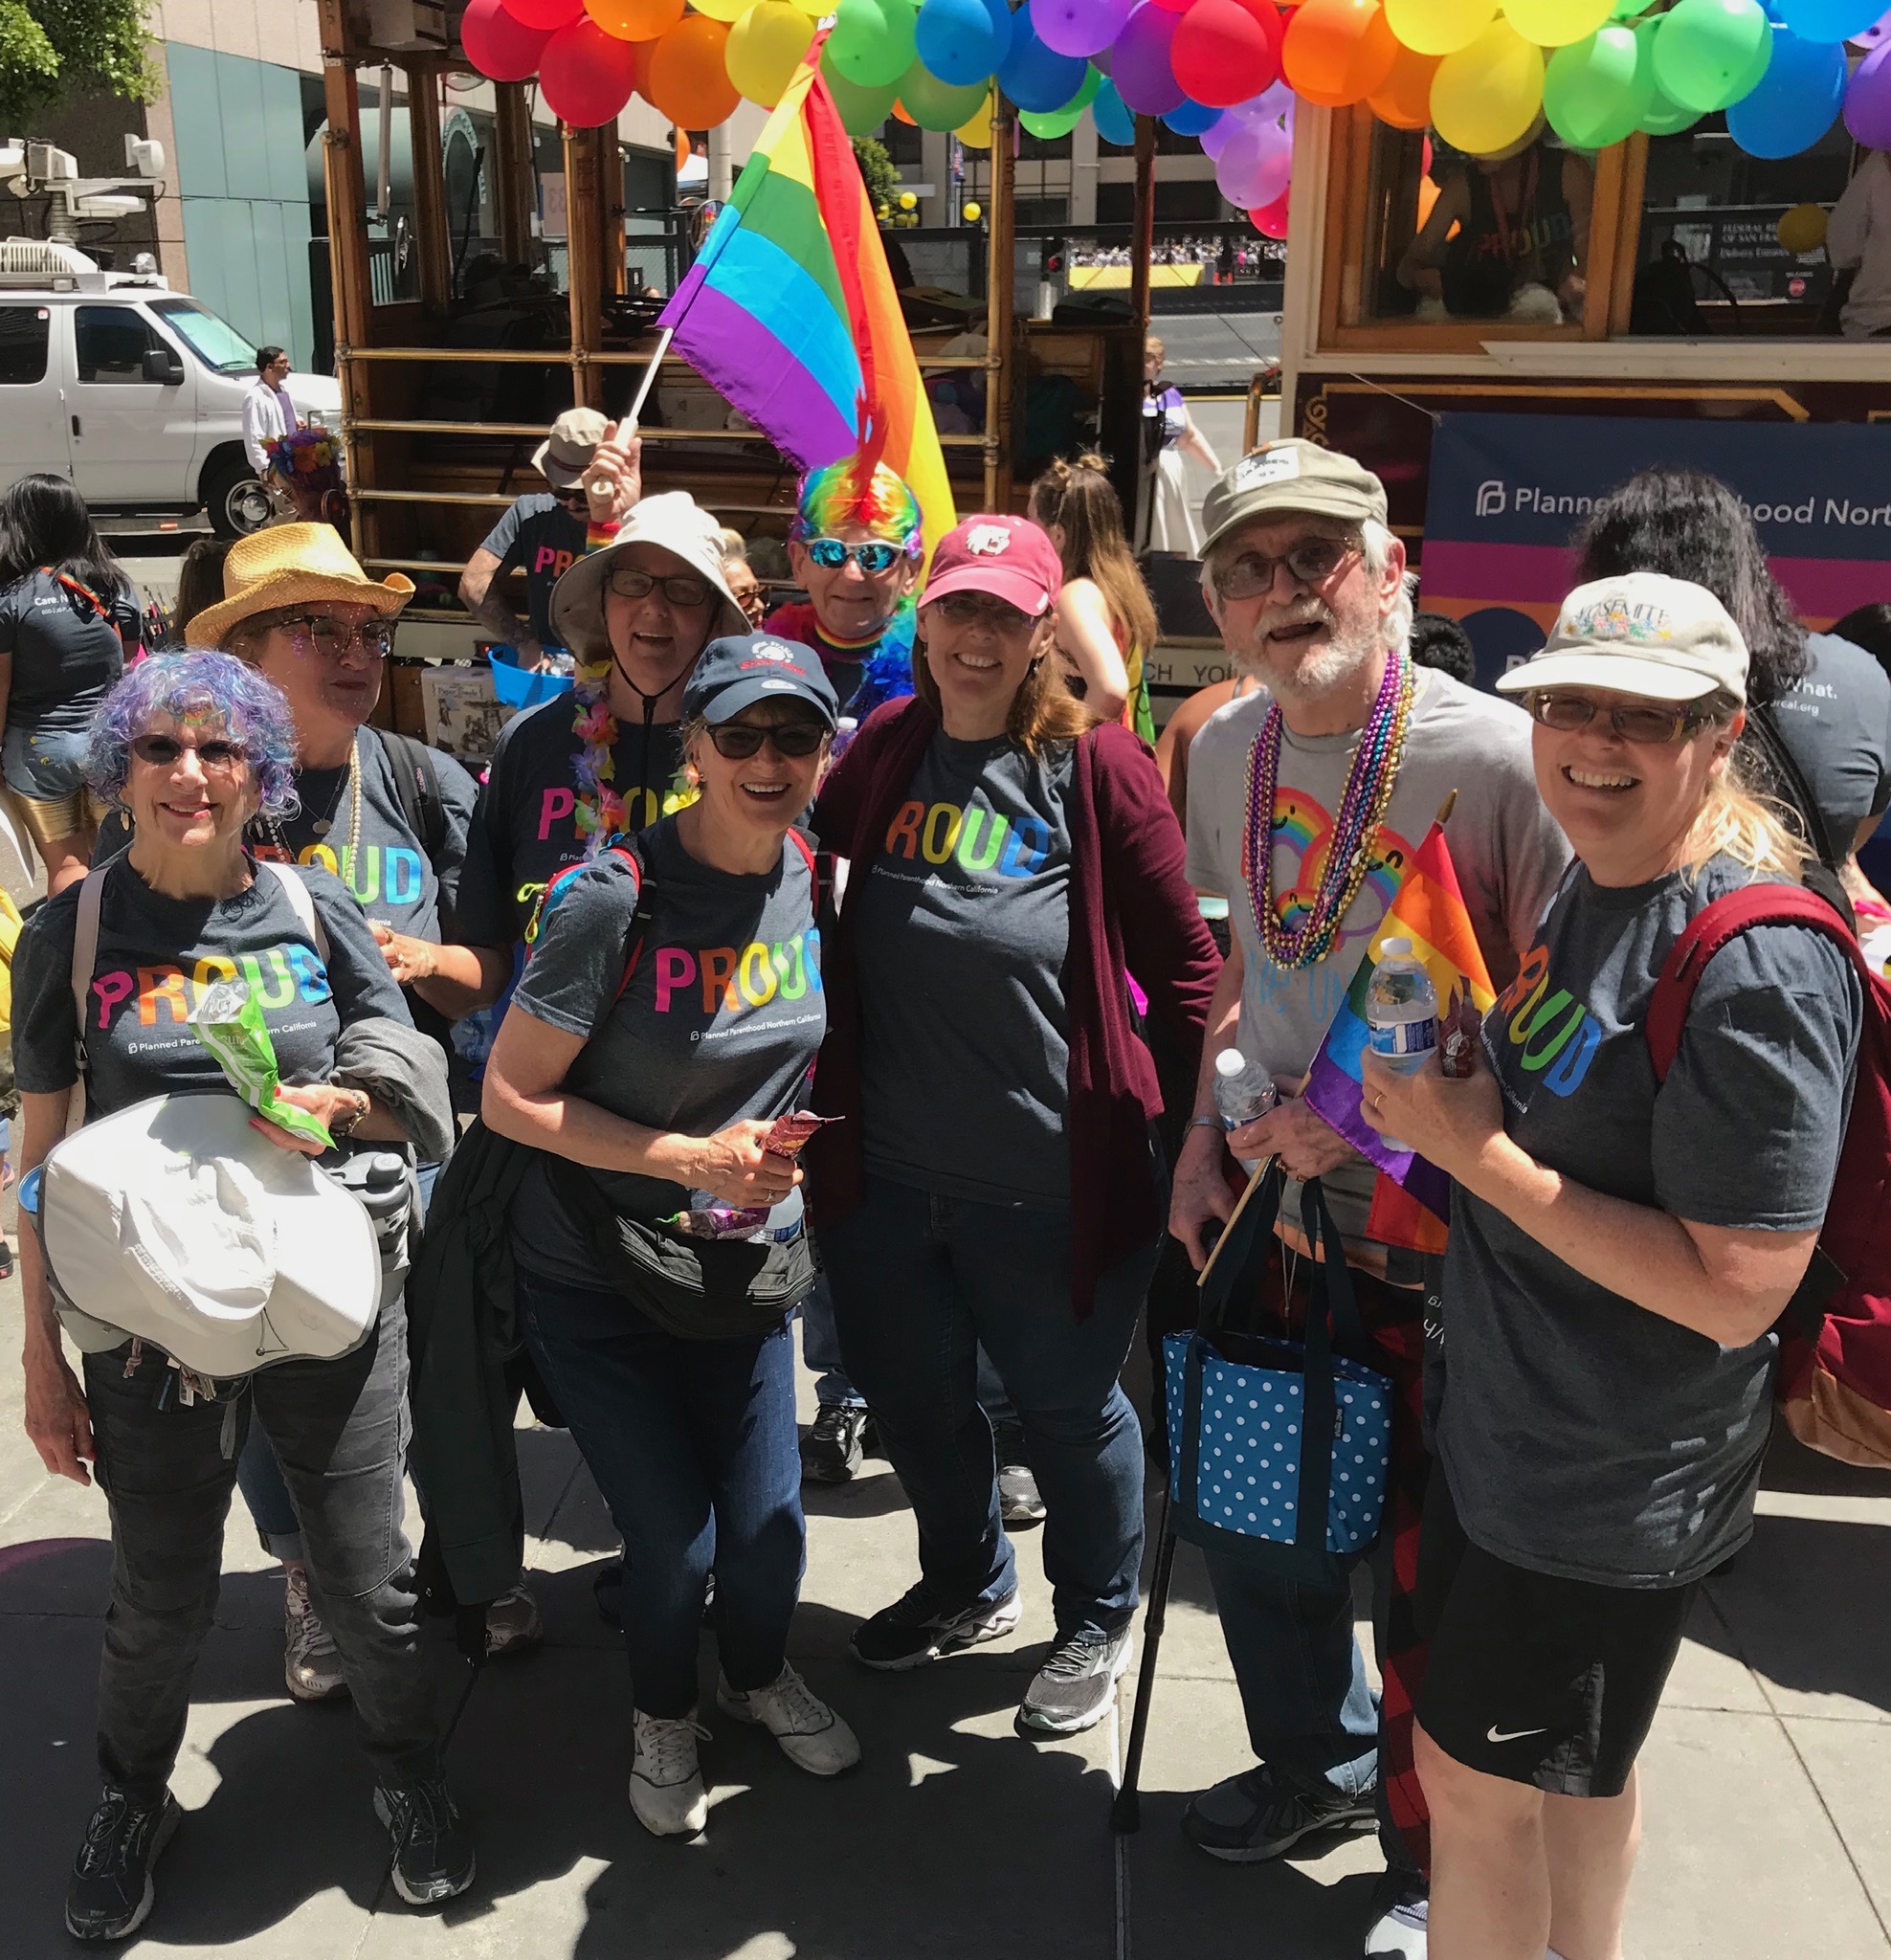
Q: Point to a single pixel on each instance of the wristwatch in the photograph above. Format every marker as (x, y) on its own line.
(351, 1121)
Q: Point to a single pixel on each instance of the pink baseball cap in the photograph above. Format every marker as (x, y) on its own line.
(1010, 557)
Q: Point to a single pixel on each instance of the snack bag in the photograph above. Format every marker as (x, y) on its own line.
(707, 1218)
(230, 1024)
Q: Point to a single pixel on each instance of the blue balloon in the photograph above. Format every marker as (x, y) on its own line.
(1115, 124)
(1825, 20)
(962, 41)
(1034, 77)
(1193, 118)
(1796, 102)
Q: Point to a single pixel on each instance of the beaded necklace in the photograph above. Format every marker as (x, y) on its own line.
(1368, 793)
(350, 788)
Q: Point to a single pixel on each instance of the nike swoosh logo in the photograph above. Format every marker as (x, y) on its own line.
(1495, 1734)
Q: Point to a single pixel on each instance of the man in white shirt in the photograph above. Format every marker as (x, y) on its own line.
(267, 413)
(1859, 237)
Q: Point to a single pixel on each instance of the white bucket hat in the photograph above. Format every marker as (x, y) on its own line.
(176, 1222)
(672, 519)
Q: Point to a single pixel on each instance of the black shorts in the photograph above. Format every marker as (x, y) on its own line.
(1542, 1680)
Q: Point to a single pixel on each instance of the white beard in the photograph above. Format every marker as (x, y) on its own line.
(1314, 673)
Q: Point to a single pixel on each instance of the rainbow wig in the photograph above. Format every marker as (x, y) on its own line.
(835, 495)
(194, 687)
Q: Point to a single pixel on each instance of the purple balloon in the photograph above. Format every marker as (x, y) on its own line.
(1079, 26)
(1217, 136)
(1253, 167)
(1868, 99)
(1141, 70)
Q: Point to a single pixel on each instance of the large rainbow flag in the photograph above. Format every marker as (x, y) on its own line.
(790, 312)
(1429, 911)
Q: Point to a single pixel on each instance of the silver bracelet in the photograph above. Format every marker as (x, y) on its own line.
(1213, 1123)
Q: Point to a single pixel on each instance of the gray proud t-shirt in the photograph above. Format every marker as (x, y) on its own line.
(959, 943)
(1507, 851)
(721, 1019)
(1584, 1436)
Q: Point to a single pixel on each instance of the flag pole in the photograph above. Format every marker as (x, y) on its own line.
(649, 378)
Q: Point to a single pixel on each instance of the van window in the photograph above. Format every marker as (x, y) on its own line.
(112, 341)
(23, 331)
(214, 341)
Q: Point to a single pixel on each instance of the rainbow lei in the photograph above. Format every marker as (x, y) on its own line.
(1368, 793)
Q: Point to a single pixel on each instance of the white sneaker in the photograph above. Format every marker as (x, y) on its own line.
(1400, 1932)
(513, 1625)
(812, 1737)
(311, 1662)
(666, 1783)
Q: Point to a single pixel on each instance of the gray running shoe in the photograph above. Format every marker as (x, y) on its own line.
(311, 1662)
(110, 1894)
(1073, 1688)
(918, 1627)
(1018, 1500)
(1400, 1932)
(1249, 1818)
(513, 1624)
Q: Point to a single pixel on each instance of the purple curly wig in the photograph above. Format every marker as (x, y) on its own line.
(195, 684)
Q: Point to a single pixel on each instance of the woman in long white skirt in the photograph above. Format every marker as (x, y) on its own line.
(1168, 433)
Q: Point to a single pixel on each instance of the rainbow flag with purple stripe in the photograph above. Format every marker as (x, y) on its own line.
(1430, 911)
(791, 313)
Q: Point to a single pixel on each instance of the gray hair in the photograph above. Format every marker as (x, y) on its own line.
(1375, 547)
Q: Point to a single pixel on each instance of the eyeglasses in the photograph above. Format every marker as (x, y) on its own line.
(875, 555)
(1251, 576)
(217, 758)
(972, 609)
(792, 741)
(1646, 727)
(680, 589)
(331, 640)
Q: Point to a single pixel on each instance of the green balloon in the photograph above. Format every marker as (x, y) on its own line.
(872, 41)
(1597, 91)
(1061, 120)
(862, 110)
(935, 105)
(1630, 10)
(1710, 53)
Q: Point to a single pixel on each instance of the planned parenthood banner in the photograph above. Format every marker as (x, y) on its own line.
(1508, 492)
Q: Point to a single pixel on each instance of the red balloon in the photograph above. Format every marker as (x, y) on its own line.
(550, 15)
(1270, 220)
(497, 44)
(1175, 6)
(1225, 52)
(586, 75)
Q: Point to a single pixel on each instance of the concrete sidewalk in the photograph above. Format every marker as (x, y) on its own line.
(1768, 1776)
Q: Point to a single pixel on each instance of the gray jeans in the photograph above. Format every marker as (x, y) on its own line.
(340, 1430)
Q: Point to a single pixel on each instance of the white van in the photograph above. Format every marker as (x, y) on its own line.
(132, 391)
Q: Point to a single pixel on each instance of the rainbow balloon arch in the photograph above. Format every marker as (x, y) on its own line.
(1484, 75)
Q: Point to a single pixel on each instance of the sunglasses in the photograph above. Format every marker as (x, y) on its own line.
(1646, 727)
(971, 609)
(875, 555)
(331, 640)
(1251, 576)
(792, 741)
(163, 752)
(574, 498)
(680, 589)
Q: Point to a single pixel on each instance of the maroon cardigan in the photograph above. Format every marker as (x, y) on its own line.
(1131, 909)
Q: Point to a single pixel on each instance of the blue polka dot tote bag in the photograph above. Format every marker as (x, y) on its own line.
(1278, 1449)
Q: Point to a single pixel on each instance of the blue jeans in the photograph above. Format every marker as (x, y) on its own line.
(694, 1447)
(820, 1350)
(921, 1282)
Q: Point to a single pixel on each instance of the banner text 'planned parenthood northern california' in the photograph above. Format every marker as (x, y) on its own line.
(1507, 492)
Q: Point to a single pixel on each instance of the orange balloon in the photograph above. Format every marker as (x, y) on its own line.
(899, 110)
(634, 21)
(1338, 51)
(683, 74)
(1404, 98)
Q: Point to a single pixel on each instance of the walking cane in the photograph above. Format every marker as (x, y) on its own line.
(1126, 1811)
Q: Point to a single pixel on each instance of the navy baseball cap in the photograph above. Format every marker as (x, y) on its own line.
(735, 672)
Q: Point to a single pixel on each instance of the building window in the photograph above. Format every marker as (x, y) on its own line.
(23, 331)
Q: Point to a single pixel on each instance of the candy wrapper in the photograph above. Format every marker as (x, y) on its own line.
(709, 1219)
(1458, 1033)
(230, 1024)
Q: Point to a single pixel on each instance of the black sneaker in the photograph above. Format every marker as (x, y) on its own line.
(832, 1450)
(918, 1628)
(1259, 1815)
(1073, 1688)
(1018, 1500)
(432, 1848)
(608, 1591)
(110, 1893)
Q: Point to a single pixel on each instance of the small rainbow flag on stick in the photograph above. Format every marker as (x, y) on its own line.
(1429, 911)
(790, 310)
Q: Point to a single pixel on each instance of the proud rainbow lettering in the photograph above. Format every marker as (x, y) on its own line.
(734, 979)
(276, 977)
(975, 837)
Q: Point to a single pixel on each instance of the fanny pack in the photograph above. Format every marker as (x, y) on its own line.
(699, 1289)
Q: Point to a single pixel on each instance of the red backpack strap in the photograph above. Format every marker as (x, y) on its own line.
(625, 847)
(1725, 919)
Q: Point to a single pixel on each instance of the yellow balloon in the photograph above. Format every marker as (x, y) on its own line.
(812, 9)
(976, 131)
(765, 48)
(723, 9)
(1802, 229)
(1485, 97)
(907, 200)
(973, 213)
(1438, 27)
(1556, 23)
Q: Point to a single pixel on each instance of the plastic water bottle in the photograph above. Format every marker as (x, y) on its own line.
(1401, 1013)
(1243, 1092)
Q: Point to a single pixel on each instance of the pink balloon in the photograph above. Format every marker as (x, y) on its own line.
(1253, 167)
(1139, 61)
(1868, 99)
(1175, 6)
(1270, 220)
(586, 75)
(498, 45)
(547, 15)
(1079, 26)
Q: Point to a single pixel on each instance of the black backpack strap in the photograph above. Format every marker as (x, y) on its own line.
(417, 786)
(1791, 779)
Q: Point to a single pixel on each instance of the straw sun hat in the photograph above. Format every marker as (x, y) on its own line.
(285, 566)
